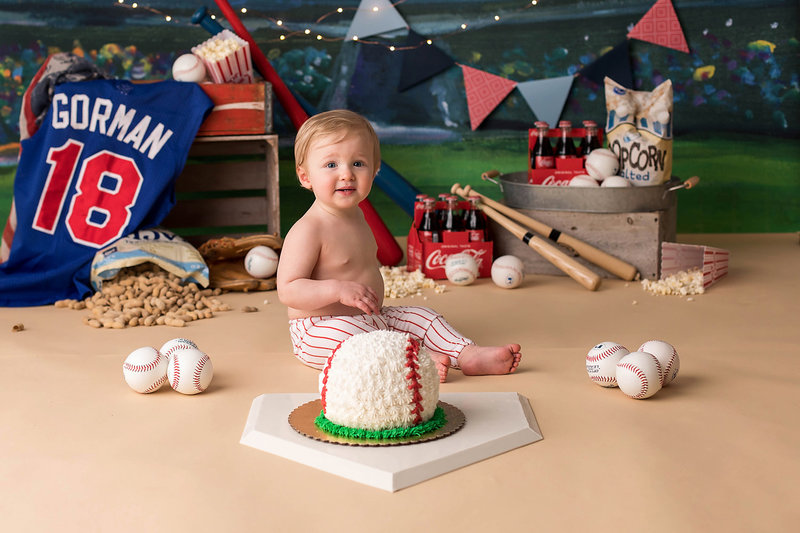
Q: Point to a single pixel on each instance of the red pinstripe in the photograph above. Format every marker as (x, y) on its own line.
(315, 338)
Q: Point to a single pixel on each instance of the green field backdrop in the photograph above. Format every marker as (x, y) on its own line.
(748, 184)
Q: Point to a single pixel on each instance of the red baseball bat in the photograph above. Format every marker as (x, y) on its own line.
(389, 252)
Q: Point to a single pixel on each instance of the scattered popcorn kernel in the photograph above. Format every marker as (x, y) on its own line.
(681, 283)
(400, 283)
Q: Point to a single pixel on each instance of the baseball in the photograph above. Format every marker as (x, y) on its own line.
(261, 262)
(582, 180)
(616, 182)
(189, 371)
(169, 347)
(639, 375)
(666, 355)
(145, 370)
(602, 163)
(601, 362)
(188, 67)
(507, 271)
(461, 269)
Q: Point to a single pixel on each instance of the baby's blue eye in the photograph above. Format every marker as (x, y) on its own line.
(358, 164)
(330, 165)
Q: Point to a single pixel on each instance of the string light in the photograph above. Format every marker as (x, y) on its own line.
(280, 23)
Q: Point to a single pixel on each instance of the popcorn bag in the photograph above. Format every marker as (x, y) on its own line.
(227, 58)
(639, 131)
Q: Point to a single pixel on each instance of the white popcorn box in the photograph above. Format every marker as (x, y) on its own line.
(226, 63)
(713, 262)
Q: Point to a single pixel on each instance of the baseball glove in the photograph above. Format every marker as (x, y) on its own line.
(225, 259)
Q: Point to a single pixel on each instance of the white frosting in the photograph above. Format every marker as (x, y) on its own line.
(367, 385)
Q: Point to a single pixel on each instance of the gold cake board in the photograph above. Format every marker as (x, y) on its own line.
(302, 420)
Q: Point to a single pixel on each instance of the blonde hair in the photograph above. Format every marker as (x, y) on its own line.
(335, 122)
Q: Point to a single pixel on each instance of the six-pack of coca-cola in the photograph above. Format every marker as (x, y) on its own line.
(445, 227)
(550, 164)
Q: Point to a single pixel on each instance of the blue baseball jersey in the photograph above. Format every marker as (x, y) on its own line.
(102, 165)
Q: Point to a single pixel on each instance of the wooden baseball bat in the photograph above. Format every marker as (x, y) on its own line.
(389, 252)
(616, 266)
(562, 261)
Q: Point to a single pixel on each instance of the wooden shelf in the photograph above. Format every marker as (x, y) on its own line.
(229, 187)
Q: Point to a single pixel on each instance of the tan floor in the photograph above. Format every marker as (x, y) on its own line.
(719, 450)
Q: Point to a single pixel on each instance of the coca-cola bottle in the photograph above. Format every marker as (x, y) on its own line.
(452, 222)
(418, 207)
(590, 141)
(440, 208)
(474, 221)
(429, 229)
(542, 155)
(565, 147)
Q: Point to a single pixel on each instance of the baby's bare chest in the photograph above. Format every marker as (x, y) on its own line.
(351, 248)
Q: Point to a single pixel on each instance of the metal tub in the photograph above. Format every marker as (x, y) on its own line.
(519, 194)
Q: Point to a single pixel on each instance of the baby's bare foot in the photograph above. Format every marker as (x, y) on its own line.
(477, 360)
(442, 362)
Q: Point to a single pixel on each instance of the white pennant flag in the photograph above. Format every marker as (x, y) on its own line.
(547, 97)
(374, 17)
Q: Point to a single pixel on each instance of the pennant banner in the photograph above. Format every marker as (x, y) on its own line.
(374, 17)
(484, 93)
(616, 64)
(660, 26)
(546, 98)
(421, 62)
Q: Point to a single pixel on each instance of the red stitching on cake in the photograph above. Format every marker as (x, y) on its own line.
(198, 370)
(412, 362)
(325, 370)
(641, 375)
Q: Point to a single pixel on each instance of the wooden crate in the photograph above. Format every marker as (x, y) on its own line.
(229, 187)
(633, 237)
(239, 109)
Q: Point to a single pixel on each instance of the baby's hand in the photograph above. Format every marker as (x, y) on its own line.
(359, 296)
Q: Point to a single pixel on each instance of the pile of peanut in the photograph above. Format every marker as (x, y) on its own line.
(146, 295)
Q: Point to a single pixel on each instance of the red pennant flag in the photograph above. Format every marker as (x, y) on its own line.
(484, 93)
(660, 26)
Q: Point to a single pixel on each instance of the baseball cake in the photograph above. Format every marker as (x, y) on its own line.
(380, 385)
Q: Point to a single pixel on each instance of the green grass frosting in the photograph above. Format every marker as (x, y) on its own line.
(438, 420)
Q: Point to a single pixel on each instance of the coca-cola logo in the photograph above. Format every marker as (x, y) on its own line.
(551, 180)
(437, 258)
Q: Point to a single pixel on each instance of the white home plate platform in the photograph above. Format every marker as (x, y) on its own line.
(496, 422)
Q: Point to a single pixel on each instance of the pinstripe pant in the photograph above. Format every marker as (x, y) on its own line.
(314, 338)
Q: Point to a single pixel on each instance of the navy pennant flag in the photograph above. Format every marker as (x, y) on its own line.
(421, 61)
(616, 64)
